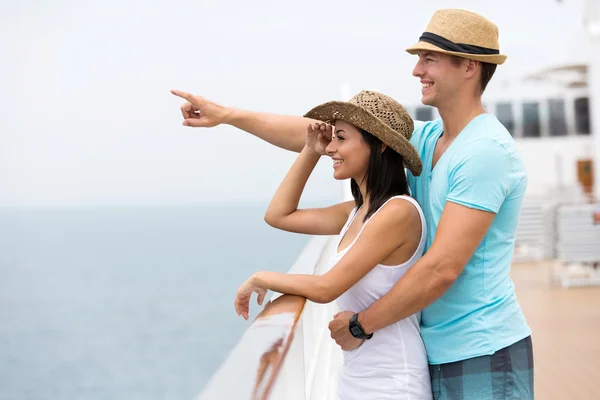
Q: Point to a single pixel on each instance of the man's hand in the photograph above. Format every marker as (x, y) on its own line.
(199, 112)
(340, 331)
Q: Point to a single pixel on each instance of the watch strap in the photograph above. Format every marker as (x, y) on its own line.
(357, 330)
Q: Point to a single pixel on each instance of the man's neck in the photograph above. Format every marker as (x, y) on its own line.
(457, 115)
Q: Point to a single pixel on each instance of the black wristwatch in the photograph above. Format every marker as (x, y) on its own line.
(357, 330)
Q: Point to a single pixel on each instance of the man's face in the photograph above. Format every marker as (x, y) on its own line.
(440, 78)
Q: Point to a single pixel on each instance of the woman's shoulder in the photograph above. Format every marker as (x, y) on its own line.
(407, 201)
(401, 210)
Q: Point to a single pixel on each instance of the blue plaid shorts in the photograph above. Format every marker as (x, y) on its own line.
(506, 374)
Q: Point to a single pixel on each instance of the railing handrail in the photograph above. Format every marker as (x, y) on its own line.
(285, 304)
(262, 349)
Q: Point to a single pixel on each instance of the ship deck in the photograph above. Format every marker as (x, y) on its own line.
(566, 333)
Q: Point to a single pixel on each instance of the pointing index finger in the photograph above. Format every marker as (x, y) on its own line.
(183, 95)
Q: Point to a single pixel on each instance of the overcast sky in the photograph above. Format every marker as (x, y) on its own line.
(86, 117)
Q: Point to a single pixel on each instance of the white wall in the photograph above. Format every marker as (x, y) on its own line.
(551, 163)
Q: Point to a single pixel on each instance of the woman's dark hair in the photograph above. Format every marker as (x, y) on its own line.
(384, 178)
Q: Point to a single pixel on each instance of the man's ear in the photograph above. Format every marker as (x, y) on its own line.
(472, 67)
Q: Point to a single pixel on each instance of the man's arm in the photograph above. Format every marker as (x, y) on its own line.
(459, 232)
(285, 131)
(479, 182)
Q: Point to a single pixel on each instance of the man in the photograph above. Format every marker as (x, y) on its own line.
(471, 188)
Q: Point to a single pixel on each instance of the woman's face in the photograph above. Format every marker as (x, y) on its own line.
(349, 152)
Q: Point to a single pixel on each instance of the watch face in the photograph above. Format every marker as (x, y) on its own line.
(355, 330)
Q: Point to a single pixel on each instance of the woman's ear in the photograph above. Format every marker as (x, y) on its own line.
(383, 147)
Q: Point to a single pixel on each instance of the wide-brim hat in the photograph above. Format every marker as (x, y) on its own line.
(461, 33)
(381, 116)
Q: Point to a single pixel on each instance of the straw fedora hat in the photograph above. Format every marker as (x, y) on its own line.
(461, 33)
(378, 114)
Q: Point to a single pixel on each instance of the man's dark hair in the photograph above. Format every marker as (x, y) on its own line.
(487, 71)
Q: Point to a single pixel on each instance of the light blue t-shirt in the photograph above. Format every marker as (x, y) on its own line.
(481, 169)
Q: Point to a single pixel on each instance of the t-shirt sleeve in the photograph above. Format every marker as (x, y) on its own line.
(415, 137)
(482, 176)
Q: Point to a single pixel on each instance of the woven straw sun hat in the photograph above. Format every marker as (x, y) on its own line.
(378, 114)
(461, 33)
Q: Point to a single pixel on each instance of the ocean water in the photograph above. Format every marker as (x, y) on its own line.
(126, 303)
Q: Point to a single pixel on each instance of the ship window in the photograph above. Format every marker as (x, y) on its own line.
(582, 116)
(504, 114)
(558, 122)
(531, 119)
(424, 114)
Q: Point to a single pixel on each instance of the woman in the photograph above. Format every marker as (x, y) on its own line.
(381, 234)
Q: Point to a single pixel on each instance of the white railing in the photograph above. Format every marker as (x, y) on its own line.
(312, 348)
(286, 353)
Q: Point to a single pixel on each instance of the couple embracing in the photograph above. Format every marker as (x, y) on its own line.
(421, 269)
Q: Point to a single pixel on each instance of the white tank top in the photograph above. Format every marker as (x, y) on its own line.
(393, 363)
